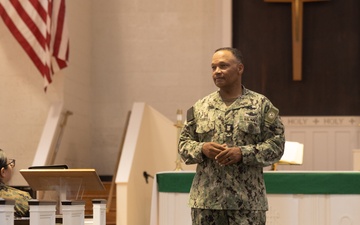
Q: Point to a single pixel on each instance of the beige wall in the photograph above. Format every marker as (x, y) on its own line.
(156, 52)
(121, 52)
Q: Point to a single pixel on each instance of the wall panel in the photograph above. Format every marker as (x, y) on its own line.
(330, 59)
(328, 141)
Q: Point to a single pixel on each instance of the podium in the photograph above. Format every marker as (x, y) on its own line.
(68, 184)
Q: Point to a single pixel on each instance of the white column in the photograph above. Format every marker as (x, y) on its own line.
(7, 211)
(99, 211)
(42, 212)
(73, 212)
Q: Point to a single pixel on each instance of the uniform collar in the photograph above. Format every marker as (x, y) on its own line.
(218, 102)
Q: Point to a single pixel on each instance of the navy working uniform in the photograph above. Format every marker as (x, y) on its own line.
(21, 199)
(251, 123)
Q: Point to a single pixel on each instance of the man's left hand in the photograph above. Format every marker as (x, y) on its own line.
(229, 156)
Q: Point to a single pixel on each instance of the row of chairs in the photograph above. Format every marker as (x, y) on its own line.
(44, 213)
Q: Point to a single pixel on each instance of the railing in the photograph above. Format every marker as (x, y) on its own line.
(43, 213)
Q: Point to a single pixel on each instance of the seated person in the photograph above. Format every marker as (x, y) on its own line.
(6, 192)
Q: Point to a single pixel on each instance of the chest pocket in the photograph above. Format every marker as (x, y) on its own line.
(205, 130)
(248, 125)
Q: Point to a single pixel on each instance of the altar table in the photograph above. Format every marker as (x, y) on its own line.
(295, 198)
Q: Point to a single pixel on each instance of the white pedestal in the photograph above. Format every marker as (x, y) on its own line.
(7, 212)
(42, 212)
(99, 211)
(73, 212)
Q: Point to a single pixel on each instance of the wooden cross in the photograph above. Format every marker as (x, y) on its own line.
(297, 21)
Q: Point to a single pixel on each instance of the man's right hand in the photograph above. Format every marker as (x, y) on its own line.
(212, 149)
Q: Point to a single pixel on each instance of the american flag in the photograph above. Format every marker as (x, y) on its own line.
(40, 28)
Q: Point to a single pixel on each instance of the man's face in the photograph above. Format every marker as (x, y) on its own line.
(226, 69)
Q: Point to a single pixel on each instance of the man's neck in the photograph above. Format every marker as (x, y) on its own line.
(231, 94)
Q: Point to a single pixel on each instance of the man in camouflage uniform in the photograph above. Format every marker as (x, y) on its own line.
(6, 192)
(231, 135)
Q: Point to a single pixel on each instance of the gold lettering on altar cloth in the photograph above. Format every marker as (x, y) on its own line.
(317, 121)
(297, 21)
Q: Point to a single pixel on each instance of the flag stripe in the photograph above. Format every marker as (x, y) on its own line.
(23, 42)
(40, 28)
(58, 30)
(61, 43)
(31, 25)
(40, 9)
(19, 27)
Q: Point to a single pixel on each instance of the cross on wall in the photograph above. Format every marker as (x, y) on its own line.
(297, 27)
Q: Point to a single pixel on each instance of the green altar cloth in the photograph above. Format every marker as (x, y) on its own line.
(315, 182)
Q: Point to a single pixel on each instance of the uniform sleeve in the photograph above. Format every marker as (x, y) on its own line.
(270, 148)
(190, 149)
(20, 197)
(21, 204)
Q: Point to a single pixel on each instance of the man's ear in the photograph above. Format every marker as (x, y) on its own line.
(241, 68)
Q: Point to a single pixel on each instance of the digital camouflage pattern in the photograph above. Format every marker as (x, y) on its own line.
(228, 217)
(21, 199)
(251, 123)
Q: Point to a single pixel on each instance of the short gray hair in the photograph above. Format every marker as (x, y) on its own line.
(236, 52)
